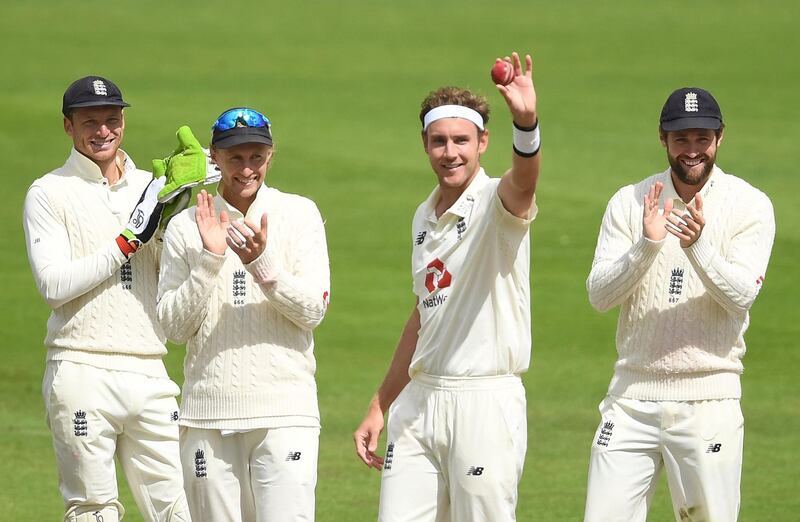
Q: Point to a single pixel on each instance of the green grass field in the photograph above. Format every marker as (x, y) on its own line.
(342, 82)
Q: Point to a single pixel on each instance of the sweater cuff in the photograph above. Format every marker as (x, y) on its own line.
(700, 252)
(645, 251)
(210, 265)
(264, 268)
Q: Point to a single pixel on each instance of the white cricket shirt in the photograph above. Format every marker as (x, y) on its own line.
(471, 271)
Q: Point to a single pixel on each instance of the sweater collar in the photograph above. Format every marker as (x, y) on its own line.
(81, 166)
(714, 180)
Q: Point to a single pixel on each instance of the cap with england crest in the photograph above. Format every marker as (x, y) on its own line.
(690, 108)
(91, 91)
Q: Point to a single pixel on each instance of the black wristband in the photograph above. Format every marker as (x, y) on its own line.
(526, 129)
(525, 154)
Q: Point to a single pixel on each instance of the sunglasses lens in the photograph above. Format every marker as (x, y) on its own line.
(240, 118)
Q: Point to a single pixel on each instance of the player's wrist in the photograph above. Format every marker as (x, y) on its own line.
(526, 139)
(128, 243)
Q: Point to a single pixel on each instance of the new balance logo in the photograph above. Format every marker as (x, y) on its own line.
(605, 434)
(174, 416)
(80, 425)
(99, 88)
(690, 102)
(239, 287)
(387, 462)
(675, 284)
(126, 275)
(199, 464)
(714, 447)
(420, 237)
(476, 471)
(293, 455)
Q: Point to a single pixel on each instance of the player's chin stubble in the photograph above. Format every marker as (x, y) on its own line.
(684, 175)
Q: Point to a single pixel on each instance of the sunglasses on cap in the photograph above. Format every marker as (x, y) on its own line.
(240, 117)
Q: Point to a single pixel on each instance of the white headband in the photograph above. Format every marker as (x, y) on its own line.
(452, 111)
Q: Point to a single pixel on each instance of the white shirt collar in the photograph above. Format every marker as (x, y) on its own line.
(464, 202)
(254, 213)
(82, 166)
(717, 176)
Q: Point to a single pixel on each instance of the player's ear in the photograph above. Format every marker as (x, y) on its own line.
(662, 136)
(425, 141)
(270, 153)
(483, 141)
(68, 125)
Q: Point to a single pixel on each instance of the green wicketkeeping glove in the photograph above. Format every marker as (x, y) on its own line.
(177, 202)
(186, 167)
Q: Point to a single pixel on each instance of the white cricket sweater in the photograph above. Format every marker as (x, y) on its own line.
(250, 349)
(103, 305)
(683, 312)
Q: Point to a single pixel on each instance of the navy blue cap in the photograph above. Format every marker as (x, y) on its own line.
(691, 108)
(91, 91)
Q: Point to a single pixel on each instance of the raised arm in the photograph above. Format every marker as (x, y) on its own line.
(184, 290)
(621, 260)
(58, 276)
(518, 186)
(733, 278)
(298, 289)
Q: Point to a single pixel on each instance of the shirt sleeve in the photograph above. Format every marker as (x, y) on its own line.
(734, 278)
(620, 260)
(58, 276)
(300, 289)
(184, 290)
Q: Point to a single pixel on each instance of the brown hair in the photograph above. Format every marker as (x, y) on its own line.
(455, 96)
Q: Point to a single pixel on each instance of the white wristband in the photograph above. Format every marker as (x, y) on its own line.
(527, 141)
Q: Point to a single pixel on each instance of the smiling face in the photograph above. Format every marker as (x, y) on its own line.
(96, 132)
(243, 168)
(454, 147)
(691, 154)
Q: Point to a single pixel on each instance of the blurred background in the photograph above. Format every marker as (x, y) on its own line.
(342, 83)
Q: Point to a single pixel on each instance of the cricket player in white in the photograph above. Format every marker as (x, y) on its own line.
(457, 431)
(683, 253)
(245, 280)
(105, 388)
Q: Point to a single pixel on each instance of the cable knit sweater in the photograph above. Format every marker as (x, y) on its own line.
(103, 305)
(683, 312)
(250, 350)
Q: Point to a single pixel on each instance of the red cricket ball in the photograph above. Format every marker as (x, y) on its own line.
(502, 73)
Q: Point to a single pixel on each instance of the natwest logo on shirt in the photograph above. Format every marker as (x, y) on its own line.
(437, 276)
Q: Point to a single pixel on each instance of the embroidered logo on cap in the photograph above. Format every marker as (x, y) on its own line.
(99, 88)
(690, 102)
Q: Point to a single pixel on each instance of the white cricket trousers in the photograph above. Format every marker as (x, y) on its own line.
(698, 442)
(96, 414)
(262, 475)
(455, 450)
